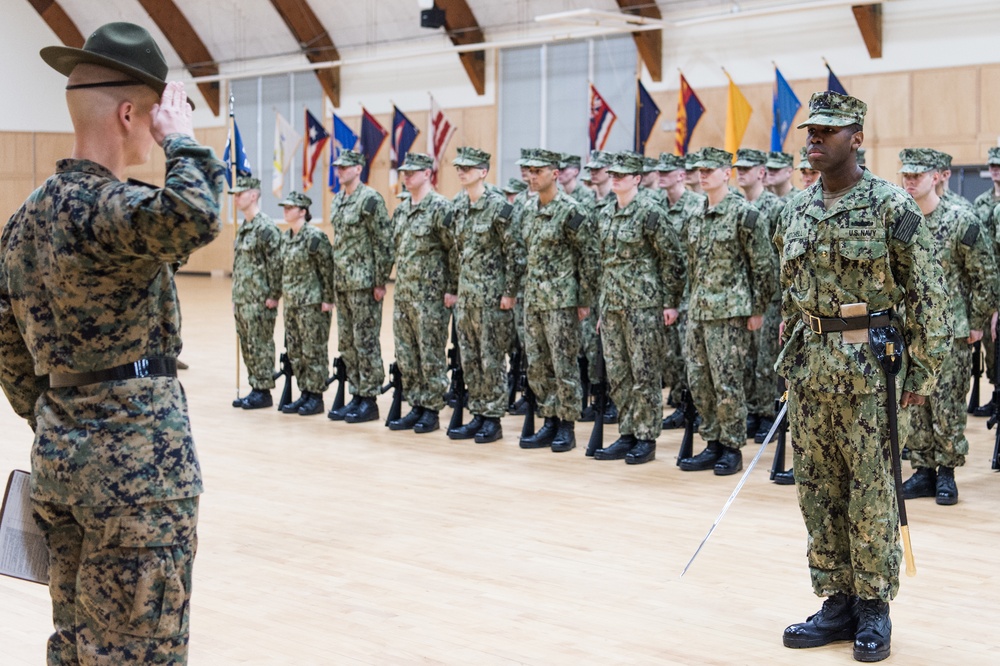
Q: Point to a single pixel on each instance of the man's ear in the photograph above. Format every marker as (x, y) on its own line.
(857, 139)
(126, 113)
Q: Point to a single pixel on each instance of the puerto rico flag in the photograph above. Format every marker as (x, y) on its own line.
(316, 139)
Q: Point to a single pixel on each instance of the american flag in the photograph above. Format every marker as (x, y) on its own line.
(602, 118)
(439, 133)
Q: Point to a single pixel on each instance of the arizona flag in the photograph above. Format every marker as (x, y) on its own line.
(316, 139)
(738, 112)
(689, 112)
(404, 133)
(372, 137)
(439, 133)
(242, 161)
(602, 119)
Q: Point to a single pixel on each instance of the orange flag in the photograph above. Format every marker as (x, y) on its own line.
(737, 116)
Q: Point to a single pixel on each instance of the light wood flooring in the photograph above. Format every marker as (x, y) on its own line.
(324, 543)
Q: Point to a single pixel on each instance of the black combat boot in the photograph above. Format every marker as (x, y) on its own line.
(674, 421)
(428, 422)
(837, 620)
(618, 449)
(293, 407)
(610, 413)
(588, 414)
(947, 491)
(519, 408)
(753, 424)
(469, 430)
(763, 429)
(340, 413)
(704, 460)
(643, 451)
(238, 402)
(871, 642)
(543, 438)
(565, 438)
(730, 462)
(367, 410)
(923, 483)
(258, 399)
(985, 410)
(786, 478)
(490, 432)
(312, 405)
(408, 421)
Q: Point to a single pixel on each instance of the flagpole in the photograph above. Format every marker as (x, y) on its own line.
(236, 222)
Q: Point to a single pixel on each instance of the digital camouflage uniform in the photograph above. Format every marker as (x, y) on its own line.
(425, 272)
(307, 283)
(256, 278)
(362, 260)
(86, 285)
(985, 207)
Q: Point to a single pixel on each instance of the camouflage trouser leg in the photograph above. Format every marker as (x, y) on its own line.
(846, 491)
(936, 435)
(989, 352)
(517, 334)
(359, 330)
(483, 338)
(633, 339)
(307, 335)
(553, 337)
(674, 372)
(716, 352)
(420, 331)
(120, 581)
(588, 339)
(760, 400)
(255, 328)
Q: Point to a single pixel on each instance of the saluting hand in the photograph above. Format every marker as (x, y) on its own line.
(172, 114)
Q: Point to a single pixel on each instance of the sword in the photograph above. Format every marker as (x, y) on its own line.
(743, 479)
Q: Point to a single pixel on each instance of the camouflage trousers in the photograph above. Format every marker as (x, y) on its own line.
(307, 335)
(359, 330)
(517, 334)
(989, 356)
(120, 581)
(255, 328)
(633, 342)
(553, 338)
(846, 491)
(588, 339)
(420, 331)
(936, 429)
(674, 370)
(716, 362)
(483, 338)
(761, 379)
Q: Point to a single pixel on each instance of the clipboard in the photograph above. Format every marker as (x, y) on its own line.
(23, 553)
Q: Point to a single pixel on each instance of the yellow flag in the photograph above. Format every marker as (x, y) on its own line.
(737, 117)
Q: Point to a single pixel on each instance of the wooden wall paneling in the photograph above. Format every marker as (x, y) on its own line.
(50, 147)
(889, 99)
(13, 193)
(944, 103)
(989, 110)
(16, 154)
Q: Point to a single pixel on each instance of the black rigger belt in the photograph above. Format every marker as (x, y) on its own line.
(154, 366)
(821, 325)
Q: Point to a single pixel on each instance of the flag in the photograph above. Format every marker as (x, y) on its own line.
(372, 137)
(737, 116)
(832, 82)
(439, 133)
(646, 115)
(602, 119)
(316, 138)
(343, 139)
(242, 161)
(784, 107)
(286, 140)
(404, 133)
(689, 111)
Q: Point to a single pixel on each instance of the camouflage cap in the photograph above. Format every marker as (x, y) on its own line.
(649, 164)
(713, 158)
(417, 162)
(544, 158)
(296, 199)
(599, 159)
(471, 157)
(515, 186)
(944, 159)
(750, 157)
(570, 161)
(526, 154)
(778, 160)
(919, 160)
(669, 162)
(804, 160)
(626, 162)
(861, 156)
(691, 159)
(349, 158)
(993, 155)
(831, 109)
(244, 183)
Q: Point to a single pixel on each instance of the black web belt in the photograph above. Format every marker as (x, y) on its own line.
(821, 325)
(155, 366)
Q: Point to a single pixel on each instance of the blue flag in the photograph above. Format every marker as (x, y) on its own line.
(343, 139)
(646, 114)
(785, 106)
(832, 82)
(404, 133)
(372, 137)
(242, 161)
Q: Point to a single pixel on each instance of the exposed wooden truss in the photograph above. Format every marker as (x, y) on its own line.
(314, 41)
(649, 43)
(463, 28)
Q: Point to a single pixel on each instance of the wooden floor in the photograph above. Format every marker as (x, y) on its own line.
(325, 543)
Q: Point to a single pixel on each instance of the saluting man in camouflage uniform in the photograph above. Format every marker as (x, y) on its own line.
(490, 252)
(425, 271)
(89, 336)
(307, 287)
(936, 436)
(641, 286)
(779, 174)
(362, 261)
(854, 243)
(731, 276)
(559, 284)
(256, 290)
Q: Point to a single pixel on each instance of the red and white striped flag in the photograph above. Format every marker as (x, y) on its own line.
(602, 118)
(439, 133)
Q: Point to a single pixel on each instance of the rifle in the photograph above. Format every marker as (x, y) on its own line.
(977, 372)
(396, 384)
(995, 464)
(286, 371)
(531, 403)
(779, 449)
(600, 394)
(457, 389)
(584, 380)
(339, 375)
(690, 415)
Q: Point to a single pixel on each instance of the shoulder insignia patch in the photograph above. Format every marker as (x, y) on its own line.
(971, 234)
(314, 244)
(506, 211)
(370, 205)
(652, 220)
(750, 220)
(906, 226)
(575, 221)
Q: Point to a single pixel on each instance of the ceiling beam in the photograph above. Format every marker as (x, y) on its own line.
(60, 23)
(649, 43)
(463, 29)
(869, 18)
(314, 41)
(188, 45)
